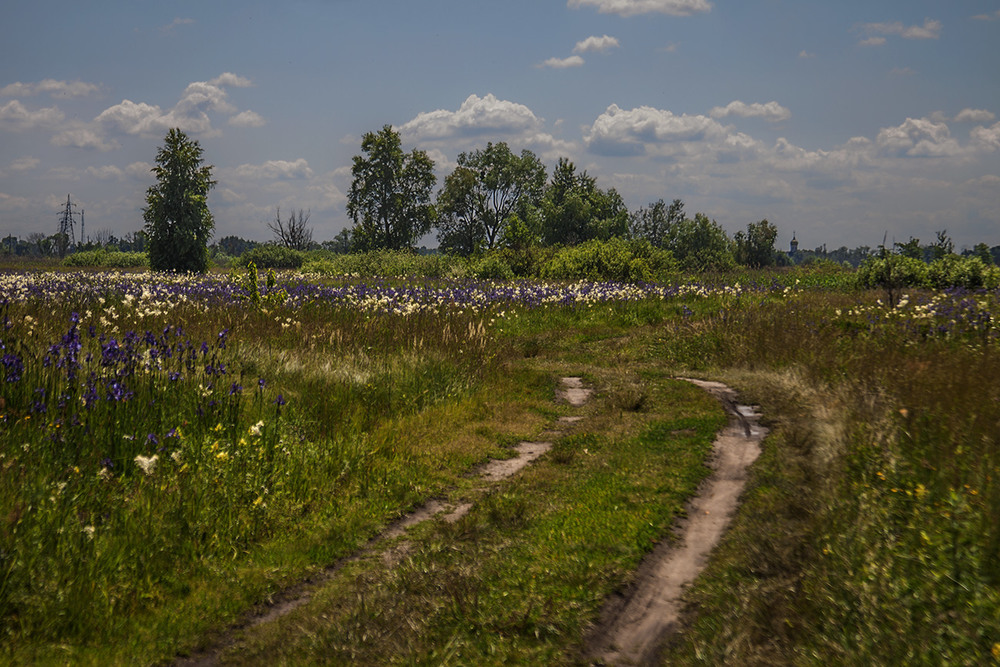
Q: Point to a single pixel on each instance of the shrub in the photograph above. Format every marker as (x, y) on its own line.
(112, 259)
(614, 259)
(492, 267)
(270, 256)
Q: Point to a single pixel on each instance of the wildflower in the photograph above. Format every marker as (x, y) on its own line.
(89, 532)
(222, 456)
(147, 463)
(280, 400)
(176, 456)
(256, 428)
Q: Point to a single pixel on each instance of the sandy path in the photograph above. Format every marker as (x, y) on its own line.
(634, 625)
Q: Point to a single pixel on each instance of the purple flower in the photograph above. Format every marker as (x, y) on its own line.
(280, 400)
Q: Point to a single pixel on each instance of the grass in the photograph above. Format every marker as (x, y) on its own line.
(870, 531)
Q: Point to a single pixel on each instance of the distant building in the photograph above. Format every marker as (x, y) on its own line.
(793, 247)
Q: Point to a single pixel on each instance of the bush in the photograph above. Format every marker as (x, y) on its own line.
(892, 272)
(112, 259)
(614, 259)
(271, 256)
(384, 264)
(492, 267)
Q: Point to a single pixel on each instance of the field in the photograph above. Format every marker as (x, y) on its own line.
(177, 451)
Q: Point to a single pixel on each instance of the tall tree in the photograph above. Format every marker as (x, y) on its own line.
(390, 197)
(755, 247)
(490, 186)
(701, 245)
(653, 222)
(178, 222)
(576, 210)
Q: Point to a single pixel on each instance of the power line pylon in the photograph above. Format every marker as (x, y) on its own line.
(67, 222)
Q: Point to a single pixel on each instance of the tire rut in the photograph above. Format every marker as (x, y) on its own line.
(636, 623)
(572, 391)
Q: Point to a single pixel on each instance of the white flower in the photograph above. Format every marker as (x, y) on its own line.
(89, 532)
(147, 463)
(255, 429)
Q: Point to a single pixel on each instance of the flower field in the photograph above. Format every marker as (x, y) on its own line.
(157, 431)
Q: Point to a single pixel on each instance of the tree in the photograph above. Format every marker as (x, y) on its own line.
(178, 222)
(755, 247)
(910, 249)
(576, 210)
(653, 222)
(487, 188)
(701, 245)
(943, 246)
(293, 233)
(390, 197)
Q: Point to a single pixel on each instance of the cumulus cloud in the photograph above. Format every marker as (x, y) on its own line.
(247, 119)
(632, 132)
(477, 116)
(986, 138)
(771, 111)
(191, 113)
(931, 29)
(918, 137)
(80, 135)
(594, 43)
(974, 116)
(276, 170)
(50, 87)
(635, 7)
(562, 63)
(16, 116)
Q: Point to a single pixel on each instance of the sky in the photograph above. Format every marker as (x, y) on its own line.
(843, 123)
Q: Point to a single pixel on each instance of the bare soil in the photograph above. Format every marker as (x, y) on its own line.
(635, 624)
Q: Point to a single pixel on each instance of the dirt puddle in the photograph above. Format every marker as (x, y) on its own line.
(635, 624)
(572, 391)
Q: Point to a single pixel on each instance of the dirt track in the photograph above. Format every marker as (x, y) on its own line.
(634, 626)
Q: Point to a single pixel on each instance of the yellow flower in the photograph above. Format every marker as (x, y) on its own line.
(222, 456)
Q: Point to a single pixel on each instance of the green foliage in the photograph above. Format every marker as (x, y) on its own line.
(755, 247)
(178, 222)
(111, 259)
(390, 196)
(894, 273)
(384, 264)
(701, 245)
(575, 210)
(271, 256)
(615, 259)
(492, 267)
(654, 223)
(487, 188)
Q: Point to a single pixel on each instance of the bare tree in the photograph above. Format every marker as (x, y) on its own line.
(293, 233)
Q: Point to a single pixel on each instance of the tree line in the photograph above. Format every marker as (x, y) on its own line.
(494, 199)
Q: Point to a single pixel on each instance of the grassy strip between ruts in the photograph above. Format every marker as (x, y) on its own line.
(522, 575)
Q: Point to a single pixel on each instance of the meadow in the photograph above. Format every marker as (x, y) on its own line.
(176, 450)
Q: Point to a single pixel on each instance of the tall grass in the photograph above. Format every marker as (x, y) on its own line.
(897, 560)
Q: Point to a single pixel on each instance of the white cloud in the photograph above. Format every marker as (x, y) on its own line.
(562, 63)
(771, 111)
(15, 115)
(247, 119)
(636, 131)
(80, 135)
(177, 22)
(477, 116)
(191, 113)
(26, 163)
(231, 80)
(974, 116)
(635, 7)
(995, 16)
(805, 54)
(931, 29)
(918, 137)
(276, 169)
(51, 87)
(594, 43)
(986, 138)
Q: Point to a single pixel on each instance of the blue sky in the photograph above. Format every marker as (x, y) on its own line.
(840, 122)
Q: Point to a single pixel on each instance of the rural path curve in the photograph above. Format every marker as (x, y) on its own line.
(635, 624)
